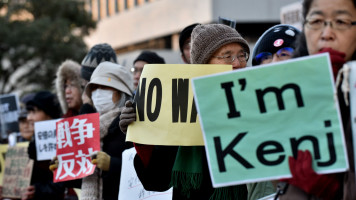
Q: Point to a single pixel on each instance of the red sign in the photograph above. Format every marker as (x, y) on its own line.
(77, 138)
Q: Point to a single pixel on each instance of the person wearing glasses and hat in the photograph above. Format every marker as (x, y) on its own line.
(275, 44)
(185, 168)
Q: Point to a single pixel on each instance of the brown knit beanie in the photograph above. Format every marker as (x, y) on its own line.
(207, 39)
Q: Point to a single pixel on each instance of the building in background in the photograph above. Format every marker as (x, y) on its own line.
(132, 25)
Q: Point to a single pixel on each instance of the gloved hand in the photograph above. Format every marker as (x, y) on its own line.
(53, 165)
(144, 152)
(324, 186)
(101, 160)
(128, 115)
(337, 59)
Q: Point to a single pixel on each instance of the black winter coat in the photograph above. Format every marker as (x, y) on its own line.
(157, 175)
(42, 178)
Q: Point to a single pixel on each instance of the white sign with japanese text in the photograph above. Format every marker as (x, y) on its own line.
(45, 135)
(131, 187)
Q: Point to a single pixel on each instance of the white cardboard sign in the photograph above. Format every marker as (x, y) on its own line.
(45, 135)
(131, 187)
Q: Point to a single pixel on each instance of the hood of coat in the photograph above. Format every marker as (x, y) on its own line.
(68, 70)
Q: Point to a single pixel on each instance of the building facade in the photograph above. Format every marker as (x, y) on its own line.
(130, 26)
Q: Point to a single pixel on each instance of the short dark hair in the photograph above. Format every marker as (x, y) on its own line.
(307, 5)
(185, 34)
(47, 102)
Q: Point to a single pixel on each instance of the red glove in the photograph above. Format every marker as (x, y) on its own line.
(324, 186)
(337, 59)
(144, 152)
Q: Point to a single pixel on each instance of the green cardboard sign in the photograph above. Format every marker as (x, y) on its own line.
(255, 118)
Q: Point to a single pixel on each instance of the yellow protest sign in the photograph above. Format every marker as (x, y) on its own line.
(22, 144)
(165, 108)
(3, 149)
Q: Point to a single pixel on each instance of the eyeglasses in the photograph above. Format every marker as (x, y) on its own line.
(338, 24)
(242, 57)
(136, 70)
(267, 57)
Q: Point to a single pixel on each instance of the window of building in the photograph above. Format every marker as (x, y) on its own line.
(116, 6)
(107, 8)
(126, 4)
(99, 13)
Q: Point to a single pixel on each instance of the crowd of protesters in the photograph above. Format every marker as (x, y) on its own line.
(100, 84)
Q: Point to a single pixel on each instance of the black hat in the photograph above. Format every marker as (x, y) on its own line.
(27, 97)
(97, 54)
(22, 114)
(275, 38)
(150, 57)
(47, 102)
(185, 34)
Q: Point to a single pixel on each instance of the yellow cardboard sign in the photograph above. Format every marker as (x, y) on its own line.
(165, 108)
(3, 149)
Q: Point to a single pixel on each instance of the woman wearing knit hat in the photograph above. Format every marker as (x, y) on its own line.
(275, 44)
(218, 44)
(185, 168)
(97, 54)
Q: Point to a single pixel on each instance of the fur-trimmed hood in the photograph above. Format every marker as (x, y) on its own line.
(69, 69)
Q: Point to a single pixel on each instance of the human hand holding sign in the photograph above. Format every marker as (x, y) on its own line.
(101, 160)
(324, 186)
(29, 194)
(53, 165)
(337, 59)
(128, 115)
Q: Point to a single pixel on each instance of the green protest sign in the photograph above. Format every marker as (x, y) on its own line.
(255, 118)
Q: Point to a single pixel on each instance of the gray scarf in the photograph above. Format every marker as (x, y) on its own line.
(92, 186)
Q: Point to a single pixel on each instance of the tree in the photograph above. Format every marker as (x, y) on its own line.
(31, 50)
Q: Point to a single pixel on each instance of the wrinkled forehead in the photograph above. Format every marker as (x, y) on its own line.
(231, 48)
(332, 8)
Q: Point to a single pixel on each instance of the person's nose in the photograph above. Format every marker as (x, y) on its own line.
(236, 64)
(275, 58)
(68, 90)
(328, 32)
